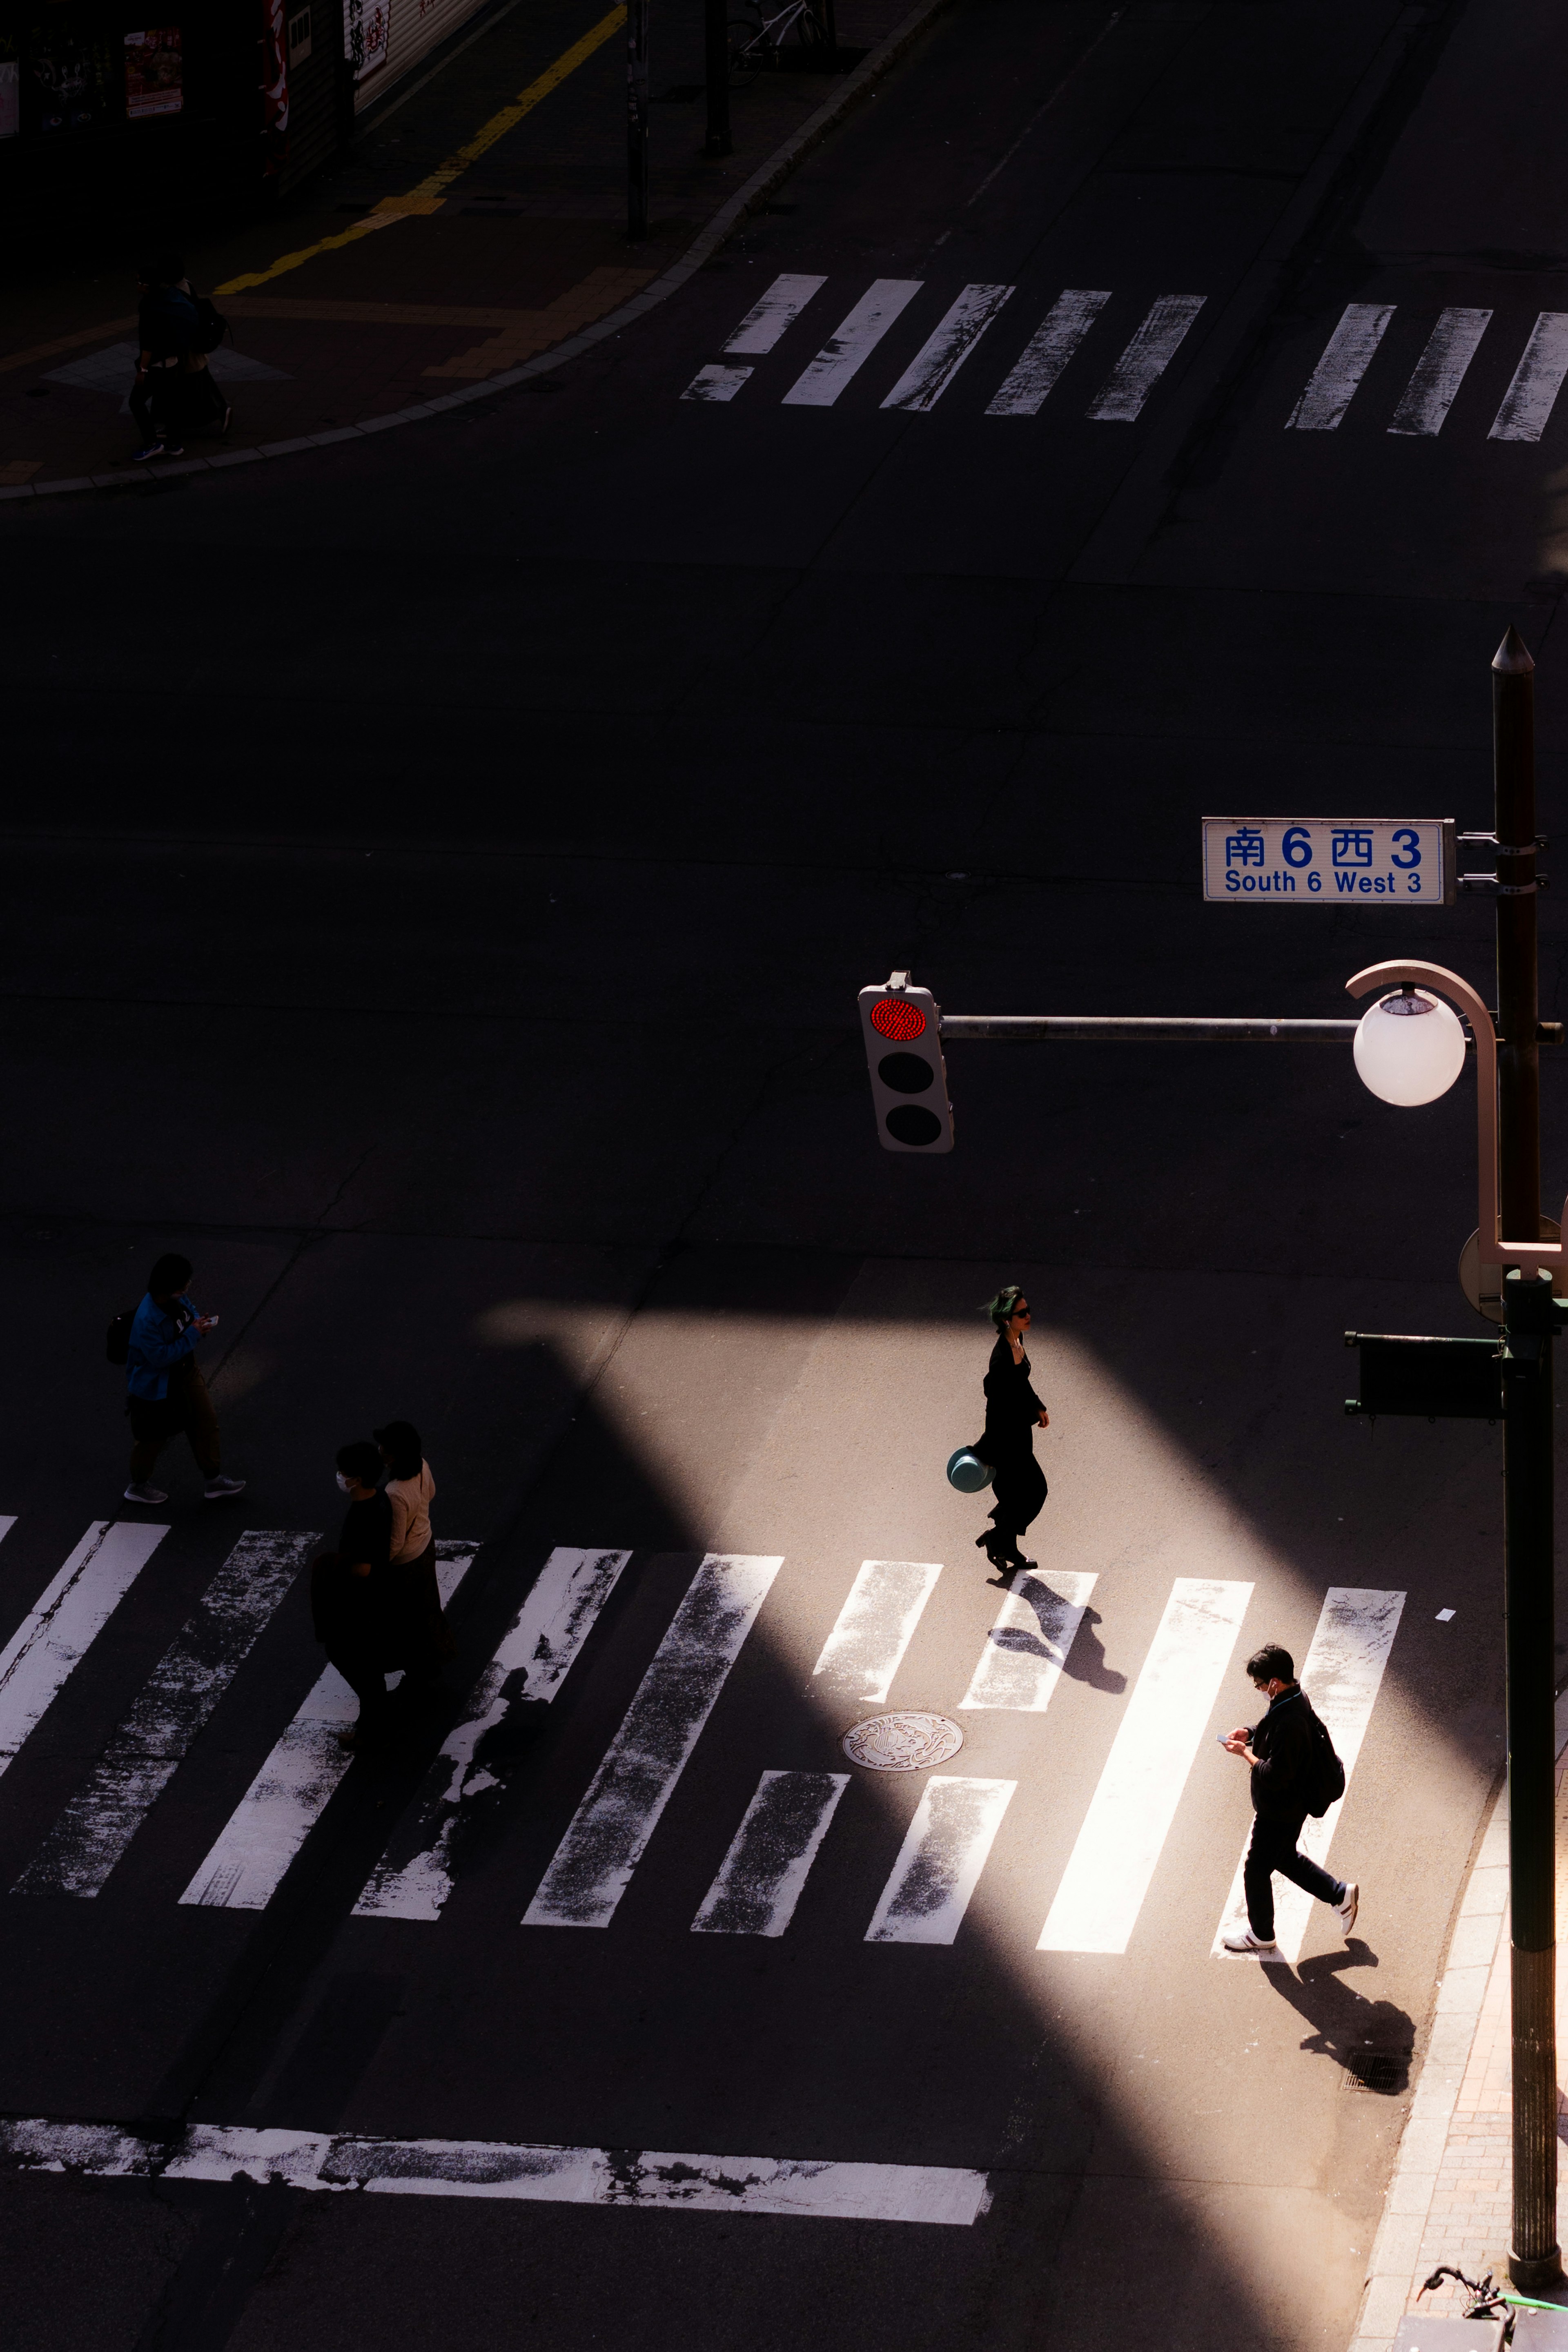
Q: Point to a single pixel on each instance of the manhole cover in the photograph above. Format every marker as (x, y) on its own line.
(903, 1743)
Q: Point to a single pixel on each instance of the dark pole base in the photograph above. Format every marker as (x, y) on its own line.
(1534, 2259)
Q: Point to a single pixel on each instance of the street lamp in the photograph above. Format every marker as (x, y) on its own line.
(1409, 1048)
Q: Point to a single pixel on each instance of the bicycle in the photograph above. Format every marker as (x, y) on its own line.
(756, 41)
(1483, 2300)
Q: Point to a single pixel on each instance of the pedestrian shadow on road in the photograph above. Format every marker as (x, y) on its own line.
(1085, 1659)
(1371, 2040)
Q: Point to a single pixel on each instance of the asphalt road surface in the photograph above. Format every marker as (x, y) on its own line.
(438, 876)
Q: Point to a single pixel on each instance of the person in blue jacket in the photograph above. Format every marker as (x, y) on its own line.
(165, 1393)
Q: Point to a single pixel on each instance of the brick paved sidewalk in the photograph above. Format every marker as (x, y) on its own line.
(1450, 2199)
(516, 250)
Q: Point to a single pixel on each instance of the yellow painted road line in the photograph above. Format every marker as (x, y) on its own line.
(428, 197)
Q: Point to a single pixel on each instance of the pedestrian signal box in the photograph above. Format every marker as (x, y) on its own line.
(903, 1029)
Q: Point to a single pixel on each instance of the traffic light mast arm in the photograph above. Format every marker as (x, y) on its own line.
(1133, 1029)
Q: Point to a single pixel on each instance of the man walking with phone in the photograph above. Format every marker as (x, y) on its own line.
(164, 1391)
(1290, 1752)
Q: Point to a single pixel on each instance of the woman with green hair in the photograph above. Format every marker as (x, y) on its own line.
(1012, 1413)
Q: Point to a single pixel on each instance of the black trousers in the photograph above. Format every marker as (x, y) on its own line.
(1273, 1848)
(1019, 1486)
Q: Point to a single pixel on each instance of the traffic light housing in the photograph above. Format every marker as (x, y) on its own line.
(903, 1029)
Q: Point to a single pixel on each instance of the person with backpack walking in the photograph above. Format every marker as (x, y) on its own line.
(172, 390)
(1294, 1772)
(165, 1393)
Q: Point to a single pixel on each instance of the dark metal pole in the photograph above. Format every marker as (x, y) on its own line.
(1534, 2261)
(1519, 1067)
(1529, 1543)
(636, 119)
(716, 39)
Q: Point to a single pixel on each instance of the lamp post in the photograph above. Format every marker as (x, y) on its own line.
(1409, 1049)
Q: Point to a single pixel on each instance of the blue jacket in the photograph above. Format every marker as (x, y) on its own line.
(158, 1341)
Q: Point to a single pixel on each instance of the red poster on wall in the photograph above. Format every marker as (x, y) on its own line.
(154, 75)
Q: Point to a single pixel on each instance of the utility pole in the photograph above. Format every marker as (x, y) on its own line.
(1529, 1545)
(636, 119)
(716, 51)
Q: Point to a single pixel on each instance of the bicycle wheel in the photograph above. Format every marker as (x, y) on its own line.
(748, 50)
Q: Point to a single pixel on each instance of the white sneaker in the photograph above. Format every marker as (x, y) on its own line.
(145, 1493)
(218, 1490)
(1248, 1942)
(1349, 1908)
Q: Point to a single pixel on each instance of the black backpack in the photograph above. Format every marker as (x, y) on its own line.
(211, 326)
(1325, 1773)
(117, 1338)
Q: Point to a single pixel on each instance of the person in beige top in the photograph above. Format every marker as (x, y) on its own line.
(410, 1490)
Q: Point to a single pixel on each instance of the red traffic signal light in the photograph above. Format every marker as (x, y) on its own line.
(901, 1027)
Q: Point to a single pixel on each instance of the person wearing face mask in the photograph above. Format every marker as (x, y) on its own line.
(1286, 1753)
(350, 1599)
(1012, 1413)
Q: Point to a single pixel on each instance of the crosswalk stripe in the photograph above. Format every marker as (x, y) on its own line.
(288, 1797)
(1341, 1674)
(608, 1834)
(1066, 322)
(852, 343)
(1528, 403)
(1440, 371)
(1131, 1813)
(1347, 355)
(62, 1623)
(1146, 358)
(874, 1628)
(143, 1754)
(1026, 1648)
(939, 1861)
(947, 347)
(768, 319)
(761, 1877)
(809, 2189)
(716, 383)
(540, 1645)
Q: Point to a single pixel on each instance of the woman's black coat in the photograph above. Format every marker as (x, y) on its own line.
(1012, 1408)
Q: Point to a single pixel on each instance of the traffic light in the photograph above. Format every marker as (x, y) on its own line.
(903, 1029)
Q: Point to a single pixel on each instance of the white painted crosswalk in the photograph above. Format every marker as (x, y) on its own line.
(291, 1791)
(540, 1645)
(764, 1875)
(875, 1627)
(1438, 376)
(916, 341)
(941, 1860)
(591, 1866)
(141, 1758)
(765, 1845)
(64, 1623)
(810, 2188)
(1130, 1815)
(1149, 343)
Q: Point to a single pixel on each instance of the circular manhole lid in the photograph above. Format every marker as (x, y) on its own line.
(905, 1742)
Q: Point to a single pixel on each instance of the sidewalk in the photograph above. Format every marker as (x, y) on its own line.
(1449, 2201)
(480, 223)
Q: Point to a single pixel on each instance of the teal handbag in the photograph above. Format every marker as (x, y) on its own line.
(967, 1472)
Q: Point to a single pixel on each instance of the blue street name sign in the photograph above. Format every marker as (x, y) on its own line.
(1323, 861)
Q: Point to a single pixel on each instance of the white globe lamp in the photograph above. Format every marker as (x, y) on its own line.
(1409, 1048)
